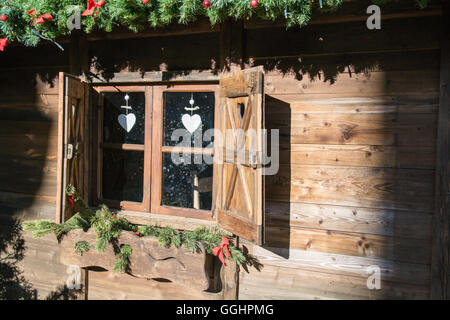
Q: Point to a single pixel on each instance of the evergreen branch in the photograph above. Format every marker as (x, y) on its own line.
(108, 227)
(82, 247)
(135, 15)
(123, 259)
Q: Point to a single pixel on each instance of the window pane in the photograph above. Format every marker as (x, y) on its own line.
(175, 104)
(123, 175)
(134, 118)
(186, 185)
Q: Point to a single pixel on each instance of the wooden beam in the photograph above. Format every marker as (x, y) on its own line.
(230, 278)
(78, 54)
(232, 45)
(158, 77)
(440, 273)
(225, 46)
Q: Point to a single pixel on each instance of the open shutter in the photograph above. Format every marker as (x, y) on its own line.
(72, 141)
(240, 199)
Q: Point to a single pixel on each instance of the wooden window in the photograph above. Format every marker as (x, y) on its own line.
(147, 169)
(183, 187)
(123, 155)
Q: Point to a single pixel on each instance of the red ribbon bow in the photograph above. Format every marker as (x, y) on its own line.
(218, 251)
(41, 18)
(70, 199)
(91, 5)
(3, 44)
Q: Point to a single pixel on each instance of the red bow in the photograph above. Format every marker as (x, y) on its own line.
(218, 251)
(3, 44)
(91, 5)
(41, 18)
(70, 199)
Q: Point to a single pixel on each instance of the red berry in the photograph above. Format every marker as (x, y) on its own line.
(254, 3)
(3, 17)
(207, 4)
(144, 1)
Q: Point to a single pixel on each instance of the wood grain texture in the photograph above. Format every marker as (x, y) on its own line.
(349, 243)
(240, 201)
(113, 286)
(387, 222)
(332, 263)
(337, 103)
(275, 283)
(369, 84)
(405, 157)
(148, 259)
(361, 129)
(353, 186)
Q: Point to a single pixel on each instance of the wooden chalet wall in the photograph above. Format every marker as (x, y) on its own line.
(357, 113)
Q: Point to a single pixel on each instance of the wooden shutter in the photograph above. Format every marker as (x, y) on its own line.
(240, 199)
(72, 142)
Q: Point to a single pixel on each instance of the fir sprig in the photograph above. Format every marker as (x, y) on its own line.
(82, 247)
(123, 258)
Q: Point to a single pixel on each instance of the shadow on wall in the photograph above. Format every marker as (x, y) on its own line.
(13, 285)
(28, 118)
(173, 53)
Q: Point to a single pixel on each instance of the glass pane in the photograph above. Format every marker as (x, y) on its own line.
(131, 128)
(123, 173)
(186, 185)
(195, 122)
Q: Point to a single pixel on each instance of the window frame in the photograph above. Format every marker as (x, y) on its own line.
(159, 150)
(153, 150)
(97, 136)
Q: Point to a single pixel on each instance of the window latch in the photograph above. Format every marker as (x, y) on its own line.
(69, 151)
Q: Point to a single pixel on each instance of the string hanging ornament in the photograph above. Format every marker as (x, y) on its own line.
(191, 121)
(127, 120)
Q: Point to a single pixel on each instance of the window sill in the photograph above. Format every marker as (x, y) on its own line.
(176, 222)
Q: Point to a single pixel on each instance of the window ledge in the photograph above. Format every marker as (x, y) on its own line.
(181, 223)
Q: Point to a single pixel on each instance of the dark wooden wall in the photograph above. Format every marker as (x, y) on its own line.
(28, 151)
(357, 113)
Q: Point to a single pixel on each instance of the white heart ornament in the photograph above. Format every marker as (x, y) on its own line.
(191, 123)
(127, 121)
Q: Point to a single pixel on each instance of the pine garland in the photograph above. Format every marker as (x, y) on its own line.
(137, 15)
(108, 226)
(123, 258)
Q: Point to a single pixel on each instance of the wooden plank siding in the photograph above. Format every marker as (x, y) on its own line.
(355, 188)
(357, 112)
(440, 273)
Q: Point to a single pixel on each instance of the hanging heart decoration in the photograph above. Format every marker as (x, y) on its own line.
(191, 123)
(127, 121)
